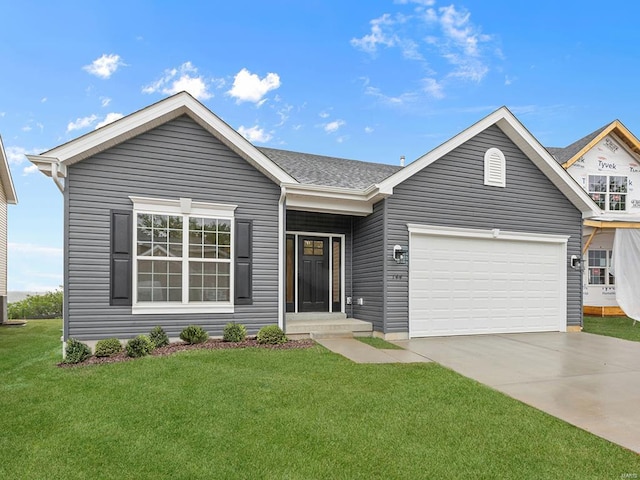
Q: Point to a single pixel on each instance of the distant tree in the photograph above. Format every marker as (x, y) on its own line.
(47, 305)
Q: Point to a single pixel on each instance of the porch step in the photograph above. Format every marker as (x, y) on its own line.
(328, 327)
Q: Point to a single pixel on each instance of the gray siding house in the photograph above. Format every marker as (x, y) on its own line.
(173, 218)
(7, 197)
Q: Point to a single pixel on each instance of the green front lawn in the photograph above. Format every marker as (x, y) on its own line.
(257, 413)
(620, 327)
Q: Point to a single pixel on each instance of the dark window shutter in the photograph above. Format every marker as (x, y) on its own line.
(243, 266)
(121, 257)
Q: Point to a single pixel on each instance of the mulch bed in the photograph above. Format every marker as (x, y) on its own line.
(211, 344)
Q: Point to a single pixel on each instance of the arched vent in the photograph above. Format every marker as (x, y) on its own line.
(495, 168)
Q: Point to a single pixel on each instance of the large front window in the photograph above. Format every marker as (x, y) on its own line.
(599, 267)
(183, 260)
(609, 191)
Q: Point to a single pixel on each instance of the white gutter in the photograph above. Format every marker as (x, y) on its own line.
(281, 254)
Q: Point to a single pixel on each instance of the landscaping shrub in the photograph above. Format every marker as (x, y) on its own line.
(158, 337)
(194, 334)
(271, 335)
(234, 332)
(108, 347)
(139, 346)
(76, 351)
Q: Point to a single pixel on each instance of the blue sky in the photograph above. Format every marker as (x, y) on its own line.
(367, 80)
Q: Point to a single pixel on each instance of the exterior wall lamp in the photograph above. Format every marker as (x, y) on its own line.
(576, 262)
(400, 255)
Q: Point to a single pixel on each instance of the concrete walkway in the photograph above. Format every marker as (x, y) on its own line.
(590, 381)
(360, 352)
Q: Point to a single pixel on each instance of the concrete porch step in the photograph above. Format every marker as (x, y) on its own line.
(329, 327)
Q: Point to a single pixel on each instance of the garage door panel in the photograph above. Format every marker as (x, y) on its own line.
(462, 286)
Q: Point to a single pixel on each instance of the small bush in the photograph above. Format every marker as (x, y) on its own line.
(158, 337)
(108, 347)
(139, 346)
(194, 334)
(271, 335)
(234, 332)
(76, 351)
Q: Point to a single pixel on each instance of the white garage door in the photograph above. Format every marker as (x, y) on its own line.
(464, 282)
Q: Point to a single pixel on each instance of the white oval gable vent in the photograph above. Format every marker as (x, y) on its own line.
(495, 168)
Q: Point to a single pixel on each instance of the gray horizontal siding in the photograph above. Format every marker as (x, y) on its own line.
(368, 267)
(177, 159)
(314, 222)
(451, 192)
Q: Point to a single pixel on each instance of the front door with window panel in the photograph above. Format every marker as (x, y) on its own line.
(313, 274)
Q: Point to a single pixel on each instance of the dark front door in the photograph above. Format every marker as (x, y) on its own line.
(313, 274)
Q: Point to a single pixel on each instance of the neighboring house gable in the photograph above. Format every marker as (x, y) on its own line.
(606, 164)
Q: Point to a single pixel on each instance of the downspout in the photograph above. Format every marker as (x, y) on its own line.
(282, 207)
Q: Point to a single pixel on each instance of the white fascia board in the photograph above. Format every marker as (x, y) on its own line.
(5, 177)
(45, 164)
(158, 114)
(488, 233)
(539, 155)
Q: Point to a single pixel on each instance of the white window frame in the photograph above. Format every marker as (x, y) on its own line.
(607, 269)
(186, 208)
(607, 194)
(495, 168)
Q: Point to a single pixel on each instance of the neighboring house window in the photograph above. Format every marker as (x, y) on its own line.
(495, 168)
(599, 267)
(183, 256)
(609, 191)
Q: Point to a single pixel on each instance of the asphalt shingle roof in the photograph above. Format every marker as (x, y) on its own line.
(564, 154)
(312, 169)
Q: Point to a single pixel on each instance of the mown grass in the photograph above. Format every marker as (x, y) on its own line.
(619, 327)
(254, 413)
(379, 343)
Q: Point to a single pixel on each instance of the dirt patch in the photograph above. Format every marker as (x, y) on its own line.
(211, 344)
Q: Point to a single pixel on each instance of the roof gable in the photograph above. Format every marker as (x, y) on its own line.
(571, 154)
(148, 118)
(5, 177)
(522, 138)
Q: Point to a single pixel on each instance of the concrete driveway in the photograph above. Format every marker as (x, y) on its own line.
(590, 381)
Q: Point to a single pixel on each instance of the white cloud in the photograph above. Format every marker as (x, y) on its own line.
(29, 170)
(398, 100)
(323, 114)
(2, 114)
(283, 113)
(43, 99)
(368, 129)
(104, 66)
(111, 117)
(26, 128)
(105, 101)
(444, 41)
(432, 87)
(334, 126)
(184, 78)
(379, 35)
(249, 87)
(82, 122)
(254, 134)
(16, 155)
